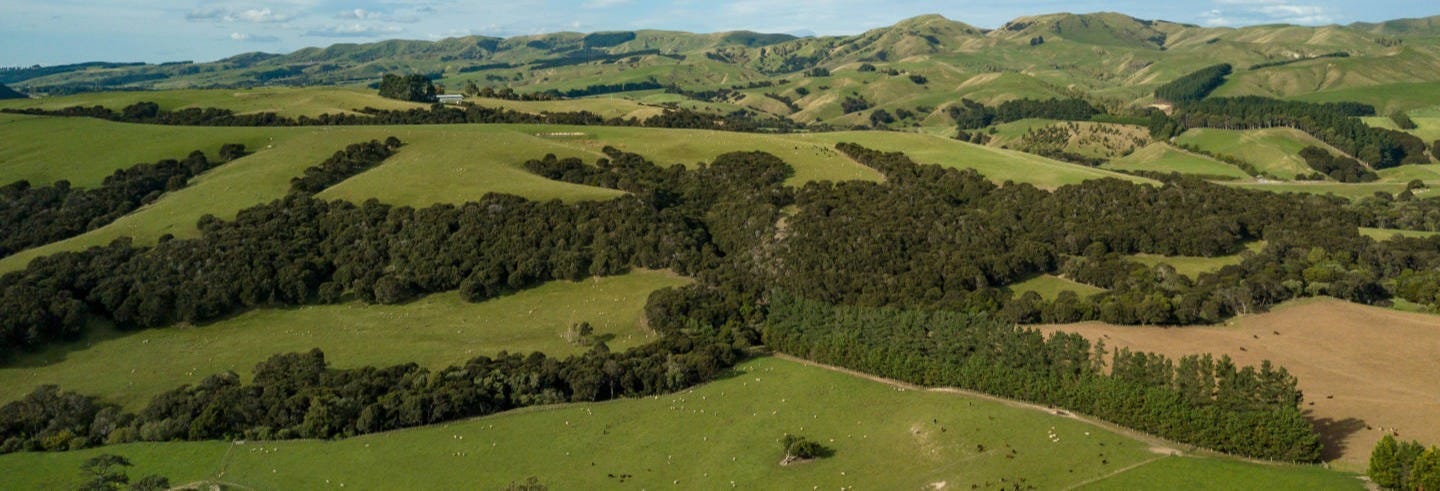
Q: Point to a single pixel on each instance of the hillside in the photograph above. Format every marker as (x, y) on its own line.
(709, 437)
(8, 93)
(1106, 56)
(1071, 252)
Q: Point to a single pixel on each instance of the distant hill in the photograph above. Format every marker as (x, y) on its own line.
(921, 64)
(9, 93)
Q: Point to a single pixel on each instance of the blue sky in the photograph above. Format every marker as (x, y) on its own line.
(67, 31)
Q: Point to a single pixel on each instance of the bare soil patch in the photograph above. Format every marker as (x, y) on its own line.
(1363, 369)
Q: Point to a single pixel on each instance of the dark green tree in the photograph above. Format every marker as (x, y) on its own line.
(104, 472)
(414, 88)
(1384, 468)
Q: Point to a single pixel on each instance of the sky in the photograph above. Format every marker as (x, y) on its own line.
(52, 32)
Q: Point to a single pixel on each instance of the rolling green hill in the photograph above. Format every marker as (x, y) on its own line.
(1275, 151)
(436, 331)
(439, 164)
(1105, 56)
(883, 436)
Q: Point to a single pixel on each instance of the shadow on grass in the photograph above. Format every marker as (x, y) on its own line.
(1333, 434)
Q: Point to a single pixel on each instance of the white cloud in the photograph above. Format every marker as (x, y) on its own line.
(603, 4)
(1246, 12)
(359, 14)
(241, 36)
(255, 15)
(362, 14)
(353, 29)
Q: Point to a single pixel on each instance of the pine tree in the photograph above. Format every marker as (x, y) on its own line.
(1384, 468)
(1425, 473)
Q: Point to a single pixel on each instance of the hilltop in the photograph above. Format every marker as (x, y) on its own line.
(1105, 56)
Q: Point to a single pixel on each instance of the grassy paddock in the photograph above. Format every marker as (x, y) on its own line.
(1192, 266)
(435, 331)
(1050, 286)
(1160, 157)
(1274, 150)
(705, 438)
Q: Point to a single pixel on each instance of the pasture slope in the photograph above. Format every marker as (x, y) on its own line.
(722, 435)
(435, 331)
(1275, 150)
(1161, 157)
(439, 164)
(1361, 368)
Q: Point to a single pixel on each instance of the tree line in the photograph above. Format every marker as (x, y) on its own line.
(1339, 168)
(1197, 400)
(354, 159)
(32, 216)
(969, 115)
(297, 395)
(1194, 86)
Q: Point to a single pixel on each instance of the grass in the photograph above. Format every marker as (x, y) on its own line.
(1175, 473)
(1275, 150)
(1385, 97)
(285, 101)
(1192, 266)
(1161, 157)
(607, 107)
(704, 438)
(1386, 233)
(43, 150)
(1050, 286)
(998, 165)
(435, 331)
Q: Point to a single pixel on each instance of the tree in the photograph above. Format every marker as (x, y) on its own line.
(232, 151)
(1425, 473)
(151, 483)
(104, 472)
(798, 448)
(414, 88)
(580, 333)
(1384, 468)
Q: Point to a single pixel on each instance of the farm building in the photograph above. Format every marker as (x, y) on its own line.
(449, 98)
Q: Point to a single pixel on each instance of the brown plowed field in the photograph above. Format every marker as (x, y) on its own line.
(1363, 369)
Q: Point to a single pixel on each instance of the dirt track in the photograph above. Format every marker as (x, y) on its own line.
(1361, 368)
